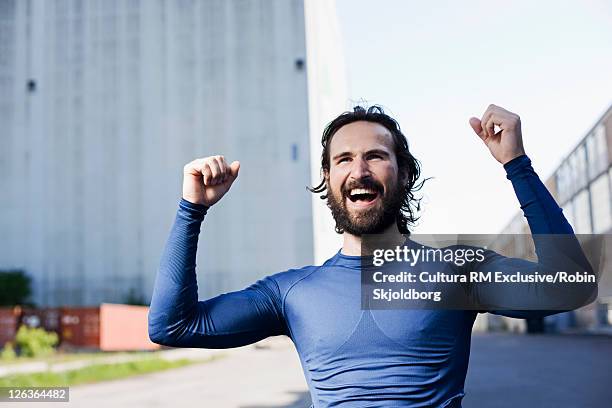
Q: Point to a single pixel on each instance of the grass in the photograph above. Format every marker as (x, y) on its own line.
(62, 357)
(92, 373)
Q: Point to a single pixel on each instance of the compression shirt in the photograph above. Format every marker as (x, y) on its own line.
(350, 357)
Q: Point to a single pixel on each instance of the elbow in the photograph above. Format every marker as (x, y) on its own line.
(158, 332)
(164, 337)
(586, 288)
(159, 336)
(165, 333)
(578, 295)
(587, 294)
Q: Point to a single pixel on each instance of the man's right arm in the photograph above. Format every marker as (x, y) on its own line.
(176, 317)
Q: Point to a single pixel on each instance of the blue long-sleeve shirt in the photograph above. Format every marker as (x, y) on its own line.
(350, 357)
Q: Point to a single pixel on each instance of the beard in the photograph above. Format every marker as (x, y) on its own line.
(372, 220)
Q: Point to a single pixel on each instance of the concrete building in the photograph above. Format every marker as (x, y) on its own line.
(581, 185)
(103, 102)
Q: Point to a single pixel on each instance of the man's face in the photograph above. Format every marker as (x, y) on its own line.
(364, 192)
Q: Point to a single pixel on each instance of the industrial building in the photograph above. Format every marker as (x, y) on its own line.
(103, 102)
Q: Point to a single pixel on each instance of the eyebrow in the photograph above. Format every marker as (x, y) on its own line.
(376, 151)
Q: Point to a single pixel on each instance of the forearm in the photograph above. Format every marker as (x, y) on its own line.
(543, 214)
(175, 294)
(556, 247)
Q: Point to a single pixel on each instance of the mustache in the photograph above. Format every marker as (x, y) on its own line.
(363, 183)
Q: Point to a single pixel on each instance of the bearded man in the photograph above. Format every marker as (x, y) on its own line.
(351, 357)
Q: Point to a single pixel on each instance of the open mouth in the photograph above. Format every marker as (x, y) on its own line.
(362, 195)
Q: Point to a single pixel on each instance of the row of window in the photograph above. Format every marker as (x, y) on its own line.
(586, 162)
(590, 210)
(584, 187)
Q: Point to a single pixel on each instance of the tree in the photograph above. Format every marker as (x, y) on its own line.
(15, 287)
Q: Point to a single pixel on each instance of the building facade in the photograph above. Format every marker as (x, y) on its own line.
(103, 102)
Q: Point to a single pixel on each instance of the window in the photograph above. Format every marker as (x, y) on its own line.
(578, 167)
(602, 147)
(600, 203)
(597, 151)
(582, 213)
(564, 182)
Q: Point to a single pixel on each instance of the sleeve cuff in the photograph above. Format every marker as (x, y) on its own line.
(517, 165)
(194, 209)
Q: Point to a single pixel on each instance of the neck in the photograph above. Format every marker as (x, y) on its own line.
(388, 238)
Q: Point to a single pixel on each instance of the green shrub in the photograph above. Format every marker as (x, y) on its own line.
(35, 341)
(8, 352)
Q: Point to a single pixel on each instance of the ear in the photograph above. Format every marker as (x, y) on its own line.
(325, 174)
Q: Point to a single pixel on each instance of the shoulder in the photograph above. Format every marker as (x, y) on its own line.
(284, 281)
(287, 279)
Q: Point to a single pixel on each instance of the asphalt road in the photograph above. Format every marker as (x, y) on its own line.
(505, 371)
(249, 377)
(560, 371)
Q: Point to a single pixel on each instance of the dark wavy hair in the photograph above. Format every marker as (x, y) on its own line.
(407, 163)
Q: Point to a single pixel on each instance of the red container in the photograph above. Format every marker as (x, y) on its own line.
(9, 319)
(80, 326)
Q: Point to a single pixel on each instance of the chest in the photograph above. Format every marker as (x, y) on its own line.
(328, 320)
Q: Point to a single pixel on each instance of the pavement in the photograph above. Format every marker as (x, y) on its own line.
(544, 371)
(265, 375)
(506, 370)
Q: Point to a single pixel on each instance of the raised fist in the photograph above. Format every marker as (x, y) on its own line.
(506, 144)
(206, 180)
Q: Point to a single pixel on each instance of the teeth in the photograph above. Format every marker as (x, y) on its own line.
(362, 191)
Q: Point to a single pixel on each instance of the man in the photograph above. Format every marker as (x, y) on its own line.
(351, 357)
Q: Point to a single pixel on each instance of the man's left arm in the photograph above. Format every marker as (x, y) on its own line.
(556, 245)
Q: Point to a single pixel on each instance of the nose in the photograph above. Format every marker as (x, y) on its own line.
(360, 168)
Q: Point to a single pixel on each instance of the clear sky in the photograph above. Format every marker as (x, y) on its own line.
(434, 64)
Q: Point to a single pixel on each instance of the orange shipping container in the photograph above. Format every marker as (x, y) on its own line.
(124, 327)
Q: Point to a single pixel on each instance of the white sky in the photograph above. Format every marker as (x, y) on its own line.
(435, 64)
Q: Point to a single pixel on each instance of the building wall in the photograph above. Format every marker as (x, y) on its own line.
(327, 99)
(101, 105)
